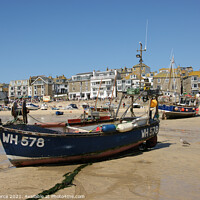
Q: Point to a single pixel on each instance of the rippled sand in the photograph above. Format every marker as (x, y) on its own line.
(169, 171)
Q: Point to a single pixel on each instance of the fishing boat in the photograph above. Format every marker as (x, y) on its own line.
(175, 104)
(32, 106)
(186, 107)
(27, 145)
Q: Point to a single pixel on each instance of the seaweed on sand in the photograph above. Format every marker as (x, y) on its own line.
(67, 182)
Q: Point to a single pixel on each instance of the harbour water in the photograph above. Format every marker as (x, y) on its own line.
(169, 171)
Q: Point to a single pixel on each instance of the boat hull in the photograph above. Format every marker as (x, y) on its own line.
(27, 145)
(173, 111)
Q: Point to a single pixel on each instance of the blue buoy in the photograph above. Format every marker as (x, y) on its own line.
(59, 113)
(108, 128)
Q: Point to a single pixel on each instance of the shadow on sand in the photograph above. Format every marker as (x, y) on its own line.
(129, 153)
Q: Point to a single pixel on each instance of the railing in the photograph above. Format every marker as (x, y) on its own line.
(103, 77)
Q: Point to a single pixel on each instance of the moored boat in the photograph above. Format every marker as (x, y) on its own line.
(176, 105)
(27, 145)
(32, 106)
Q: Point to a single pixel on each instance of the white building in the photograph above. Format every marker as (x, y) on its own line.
(103, 84)
(18, 89)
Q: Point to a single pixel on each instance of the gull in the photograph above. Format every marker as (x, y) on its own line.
(184, 142)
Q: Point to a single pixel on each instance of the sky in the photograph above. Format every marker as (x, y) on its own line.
(56, 37)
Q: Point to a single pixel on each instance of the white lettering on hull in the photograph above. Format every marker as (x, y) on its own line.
(25, 141)
(150, 132)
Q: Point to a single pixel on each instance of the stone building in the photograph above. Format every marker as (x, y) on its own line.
(168, 82)
(123, 72)
(79, 86)
(40, 86)
(191, 83)
(60, 87)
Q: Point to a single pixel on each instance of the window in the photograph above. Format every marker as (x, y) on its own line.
(194, 78)
(194, 85)
(108, 82)
(128, 82)
(158, 81)
(166, 80)
(133, 76)
(119, 88)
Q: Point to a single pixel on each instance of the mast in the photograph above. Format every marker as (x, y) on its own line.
(140, 56)
(98, 94)
(170, 72)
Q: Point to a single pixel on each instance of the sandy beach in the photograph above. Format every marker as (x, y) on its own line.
(169, 171)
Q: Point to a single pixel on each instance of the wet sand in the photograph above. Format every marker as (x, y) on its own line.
(169, 171)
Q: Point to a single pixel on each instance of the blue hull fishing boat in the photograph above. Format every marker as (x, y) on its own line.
(27, 145)
(177, 111)
(31, 145)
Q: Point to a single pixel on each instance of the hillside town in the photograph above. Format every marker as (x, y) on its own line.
(102, 84)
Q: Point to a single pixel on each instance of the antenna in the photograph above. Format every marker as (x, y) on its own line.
(172, 53)
(146, 36)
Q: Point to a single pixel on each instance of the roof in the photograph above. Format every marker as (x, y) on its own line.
(143, 65)
(84, 73)
(165, 74)
(195, 73)
(43, 78)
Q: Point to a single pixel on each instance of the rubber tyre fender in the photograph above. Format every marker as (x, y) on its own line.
(152, 142)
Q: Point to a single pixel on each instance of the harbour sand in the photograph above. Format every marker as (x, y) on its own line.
(169, 171)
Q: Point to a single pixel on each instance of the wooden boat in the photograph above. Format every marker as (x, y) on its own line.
(177, 105)
(27, 145)
(187, 107)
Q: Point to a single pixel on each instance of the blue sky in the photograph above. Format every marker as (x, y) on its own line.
(55, 37)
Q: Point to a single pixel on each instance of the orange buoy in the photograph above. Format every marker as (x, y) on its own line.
(176, 108)
(153, 103)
